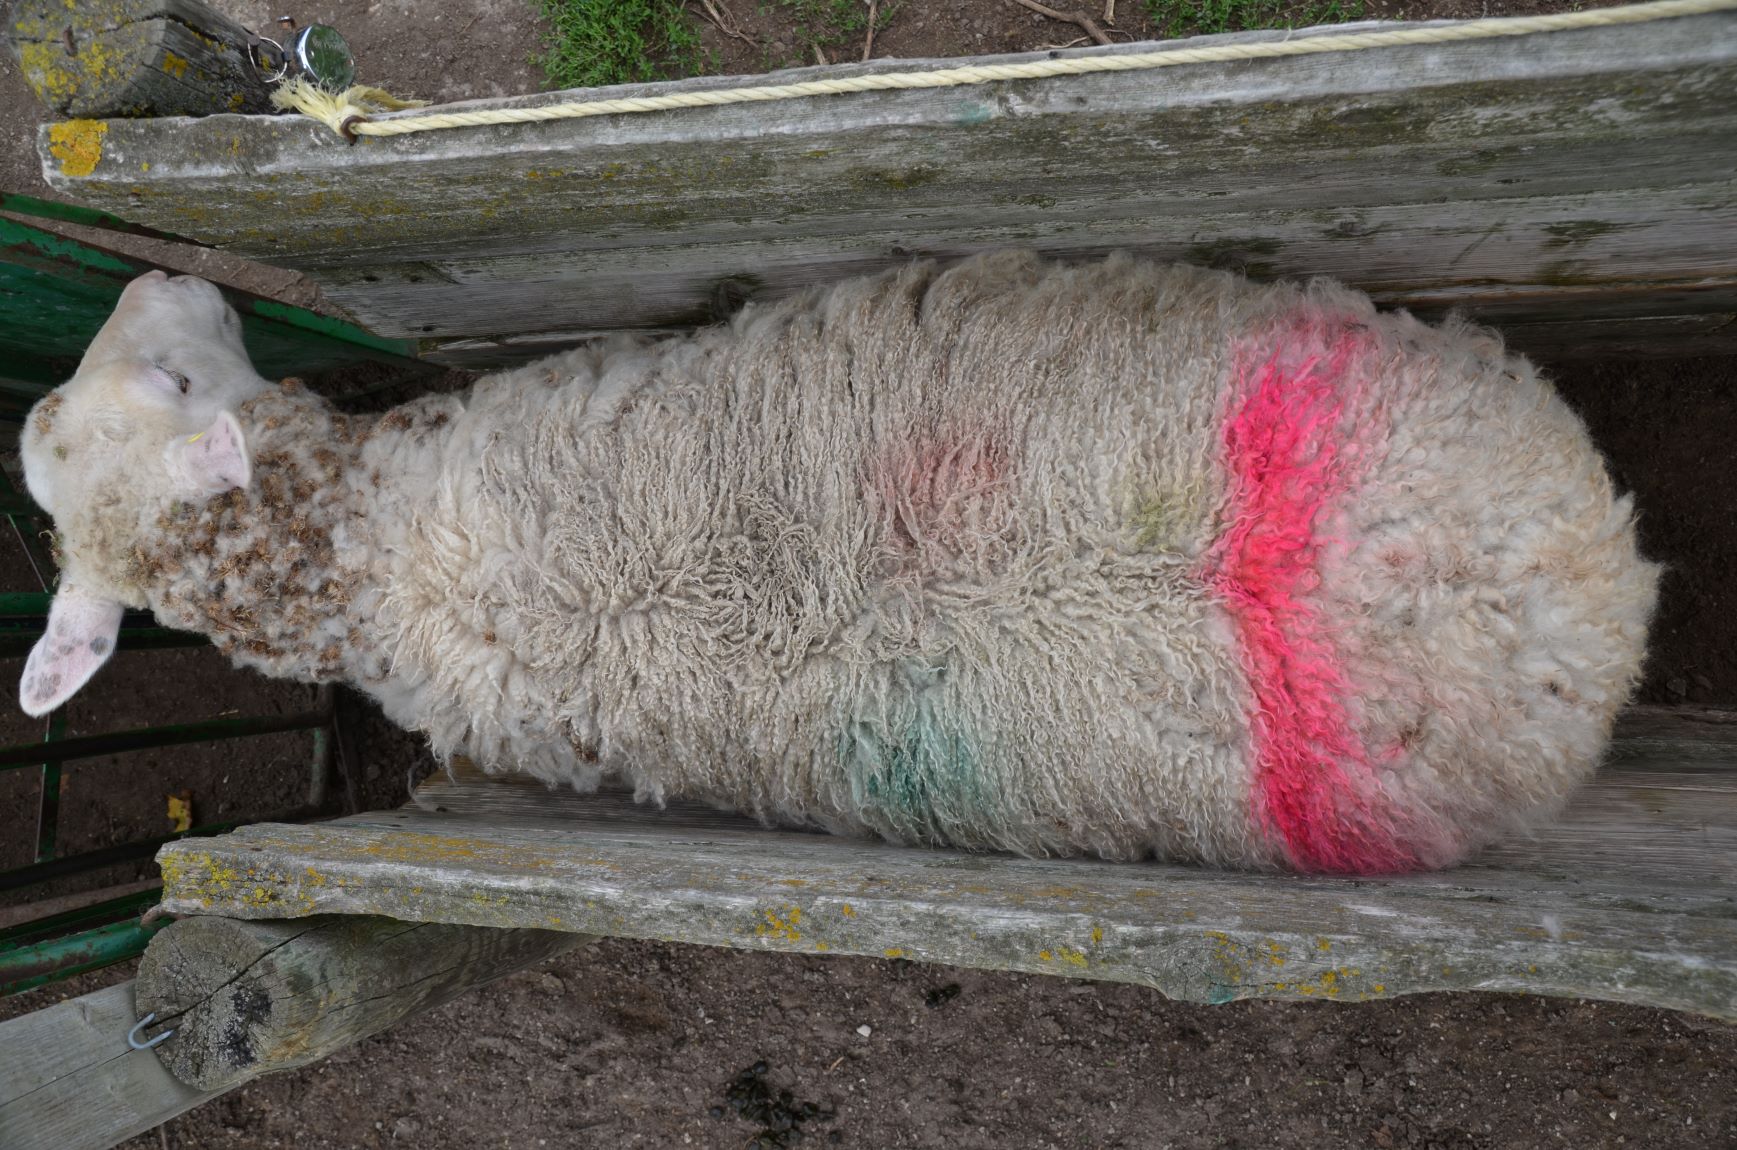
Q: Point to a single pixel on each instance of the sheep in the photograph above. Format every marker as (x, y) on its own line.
(1114, 558)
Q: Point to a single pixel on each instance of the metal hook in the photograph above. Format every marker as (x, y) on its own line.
(133, 1034)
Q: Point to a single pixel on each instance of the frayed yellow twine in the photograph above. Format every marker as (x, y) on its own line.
(348, 113)
(342, 112)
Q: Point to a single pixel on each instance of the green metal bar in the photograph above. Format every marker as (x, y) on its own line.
(84, 917)
(320, 766)
(44, 962)
(57, 292)
(15, 644)
(88, 217)
(23, 514)
(34, 873)
(48, 800)
(332, 328)
(21, 393)
(22, 616)
(16, 396)
(88, 746)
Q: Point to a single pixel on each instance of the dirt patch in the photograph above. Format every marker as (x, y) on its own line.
(773, 36)
(633, 1043)
(645, 1044)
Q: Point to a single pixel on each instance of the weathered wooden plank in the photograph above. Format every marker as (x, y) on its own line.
(1560, 171)
(250, 998)
(135, 58)
(1631, 897)
(68, 1080)
(1671, 233)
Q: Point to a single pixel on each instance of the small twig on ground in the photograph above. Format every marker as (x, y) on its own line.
(868, 44)
(719, 16)
(1109, 11)
(835, 1065)
(1079, 19)
(819, 56)
(1078, 40)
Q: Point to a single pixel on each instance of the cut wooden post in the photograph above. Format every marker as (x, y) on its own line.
(135, 58)
(1574, 189)
(249, 998)
(68, 1080)
(1628, 897)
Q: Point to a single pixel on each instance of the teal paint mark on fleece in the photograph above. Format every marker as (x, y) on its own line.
(922, 782)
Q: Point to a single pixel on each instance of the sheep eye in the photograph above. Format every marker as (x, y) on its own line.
(180, 380)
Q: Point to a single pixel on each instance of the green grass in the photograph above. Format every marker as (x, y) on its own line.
(1204, 17)
(593, 43)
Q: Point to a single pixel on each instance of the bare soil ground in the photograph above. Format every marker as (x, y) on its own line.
(631, 1043)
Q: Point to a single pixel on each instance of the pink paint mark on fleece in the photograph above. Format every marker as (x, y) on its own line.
(1291, 453)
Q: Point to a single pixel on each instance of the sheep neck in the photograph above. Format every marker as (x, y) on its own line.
(261, 570)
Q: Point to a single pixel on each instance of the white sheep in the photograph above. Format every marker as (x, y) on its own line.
(1122, 559)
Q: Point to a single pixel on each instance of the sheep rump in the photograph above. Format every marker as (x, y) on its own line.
(1120, 559)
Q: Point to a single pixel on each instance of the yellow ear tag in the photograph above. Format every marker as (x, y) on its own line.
(197, 438)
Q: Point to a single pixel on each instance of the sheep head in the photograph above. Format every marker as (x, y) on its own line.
(147, 417)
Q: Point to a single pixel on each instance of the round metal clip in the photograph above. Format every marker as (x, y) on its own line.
(317, 52)
(269, 58)
(322, 56)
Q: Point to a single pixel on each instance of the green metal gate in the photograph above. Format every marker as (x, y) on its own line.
(55, 292)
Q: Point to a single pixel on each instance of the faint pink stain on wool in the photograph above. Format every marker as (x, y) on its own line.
(1301, 425)
(931, 489)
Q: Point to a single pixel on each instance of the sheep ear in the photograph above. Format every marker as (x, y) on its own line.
(81, 635)
(212, 462)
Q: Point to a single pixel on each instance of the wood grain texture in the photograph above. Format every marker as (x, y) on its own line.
(1632, 896)
(250, 998)
(68, 1080)
(1525, 181)
(135, 58)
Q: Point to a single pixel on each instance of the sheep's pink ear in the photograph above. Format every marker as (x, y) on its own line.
(81, 635)
(212, 462)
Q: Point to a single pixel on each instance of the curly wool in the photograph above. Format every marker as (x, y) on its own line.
(1117, 559)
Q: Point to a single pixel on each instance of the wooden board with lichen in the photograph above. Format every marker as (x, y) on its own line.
(135, 57)
(1631, 897)
(1573, 188)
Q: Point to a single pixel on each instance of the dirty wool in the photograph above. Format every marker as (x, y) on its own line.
(1120, 559)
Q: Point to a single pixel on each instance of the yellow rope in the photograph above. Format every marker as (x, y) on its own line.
(339, 112)
(349, 112)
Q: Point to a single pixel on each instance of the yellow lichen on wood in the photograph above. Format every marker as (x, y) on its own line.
(41, 64)
(781, 926)
(174, 65)
(77, 145)
(57, 78)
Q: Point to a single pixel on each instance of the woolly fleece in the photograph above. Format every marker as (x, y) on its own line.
(1121, 559)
